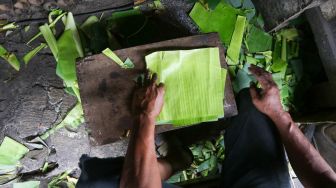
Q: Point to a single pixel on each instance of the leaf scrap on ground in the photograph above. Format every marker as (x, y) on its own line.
(10, 58)
(32, 53)
(27, 184)
(11, 152)
(73, 119)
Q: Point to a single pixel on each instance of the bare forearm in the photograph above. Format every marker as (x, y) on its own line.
(308, 164)
(140, 165)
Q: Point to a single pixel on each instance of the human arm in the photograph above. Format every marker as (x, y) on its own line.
(308, 164)
(141, 168)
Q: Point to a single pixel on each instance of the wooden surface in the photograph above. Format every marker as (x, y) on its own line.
(106, 89)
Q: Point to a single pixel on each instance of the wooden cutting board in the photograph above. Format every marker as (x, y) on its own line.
(106, 89)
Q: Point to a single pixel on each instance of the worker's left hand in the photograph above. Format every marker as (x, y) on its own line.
(148, 100)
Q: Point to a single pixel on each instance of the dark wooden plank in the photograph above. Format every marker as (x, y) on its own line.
(106, 89)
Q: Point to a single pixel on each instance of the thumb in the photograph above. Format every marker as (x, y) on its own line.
(254, 94)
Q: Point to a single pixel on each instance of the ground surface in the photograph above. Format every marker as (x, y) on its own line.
(33, 100)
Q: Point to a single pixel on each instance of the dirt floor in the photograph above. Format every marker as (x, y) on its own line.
(33, 99)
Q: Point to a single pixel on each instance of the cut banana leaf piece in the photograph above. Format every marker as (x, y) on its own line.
(128, 63)
(71, 24)
(242, 81)
(50, 39)
(51, 25)
(73, 119)
(257, 40)
(67, 58)
(11, 152)
(233, 51)
(9, 26)
(110, 54)
(32, 53)
(222, 20)
(27, 184)
(10, 58)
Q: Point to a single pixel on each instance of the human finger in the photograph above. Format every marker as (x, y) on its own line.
(263, 77)
(153, 79)
(254, 93)
(147, 78)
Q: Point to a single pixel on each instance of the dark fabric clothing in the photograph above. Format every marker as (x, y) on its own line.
(254, 155)
(99, 173)
(103, 173)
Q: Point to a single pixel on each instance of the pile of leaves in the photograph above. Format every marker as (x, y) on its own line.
(208, 156)
(241, 29)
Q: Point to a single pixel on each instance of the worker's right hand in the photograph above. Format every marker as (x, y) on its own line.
(267, 100)
(148, 100)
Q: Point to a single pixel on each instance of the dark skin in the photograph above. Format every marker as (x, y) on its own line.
(308, 164)
(143, 169)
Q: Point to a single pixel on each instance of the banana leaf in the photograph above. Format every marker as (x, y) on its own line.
(27, 184)
(110, 54)
(194, 83)
(222, 20)
(11, 151)
(241, 81)
(9, 26)
(67, 58)
(71, 25)
(233, 51)
(51, 26)
(73, 119)
(127, 64)
(257, 40)
(10, 58)
(32, 53)
(50, 39)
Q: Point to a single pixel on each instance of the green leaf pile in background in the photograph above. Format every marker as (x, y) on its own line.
(247, 43)
(208, 155)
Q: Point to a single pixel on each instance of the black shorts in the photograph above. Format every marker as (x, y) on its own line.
(254, 155)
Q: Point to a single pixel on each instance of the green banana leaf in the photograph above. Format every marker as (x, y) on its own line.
(11, 152)
(70, 24)
(32, 53)
(194, 85)
(233, 51)
(222, 20)
(50, 39)
(73, 119)
(257, 40)
(27, 184)
(67, 58)
(10, 58)
(127, 64)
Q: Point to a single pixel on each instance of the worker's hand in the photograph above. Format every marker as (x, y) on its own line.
(148, 99)
(267, 100)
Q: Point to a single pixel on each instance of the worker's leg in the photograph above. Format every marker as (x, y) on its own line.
(254, 155)
(105, 173)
